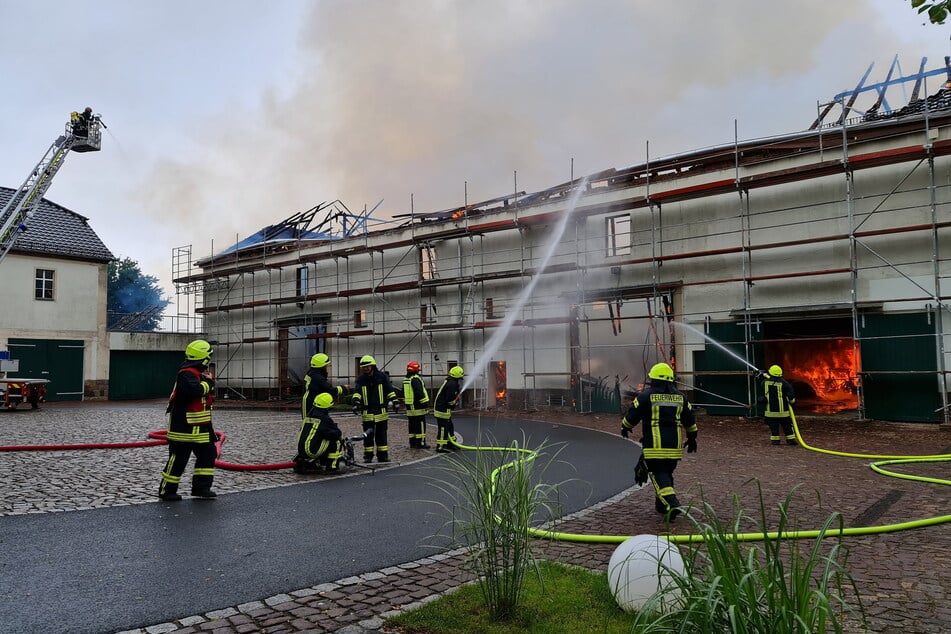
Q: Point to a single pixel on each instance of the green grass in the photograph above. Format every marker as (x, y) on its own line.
(559, 600)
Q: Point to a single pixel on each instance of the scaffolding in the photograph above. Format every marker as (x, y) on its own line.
(820, 240)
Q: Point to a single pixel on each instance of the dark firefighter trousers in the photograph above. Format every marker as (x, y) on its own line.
(662, 477)
(178, 454)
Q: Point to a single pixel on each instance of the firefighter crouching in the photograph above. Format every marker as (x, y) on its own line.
(665, 413)
(320, 448)
(778, 396)
(447, 397)
(416, 400)
(189, 426)
(311, 458)
(373, 391)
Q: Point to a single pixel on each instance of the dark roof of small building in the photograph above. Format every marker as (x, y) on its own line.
(56, 231)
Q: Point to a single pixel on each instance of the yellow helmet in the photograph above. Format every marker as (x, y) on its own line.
(456, 372)
(319, 360)
(198, 350)
(661, 372)
(324, 400)
(367, 360)
(775, 370)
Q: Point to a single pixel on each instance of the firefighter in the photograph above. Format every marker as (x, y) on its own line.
(373, 394)
(320, 448)
(777, 394)
(665, 413)
(189, 426)
(316, 382)
(416, 400)
(447, 397)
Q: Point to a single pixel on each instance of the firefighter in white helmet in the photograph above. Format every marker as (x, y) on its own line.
(668, 419)
(777, 396)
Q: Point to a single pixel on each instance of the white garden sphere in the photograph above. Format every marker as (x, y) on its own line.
(642, 566)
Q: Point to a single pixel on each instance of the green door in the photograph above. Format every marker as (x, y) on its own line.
(60, 361)
(723, 379)
(139, 374)
(899, 367)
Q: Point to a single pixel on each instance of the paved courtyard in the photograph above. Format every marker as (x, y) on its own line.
(903, 576)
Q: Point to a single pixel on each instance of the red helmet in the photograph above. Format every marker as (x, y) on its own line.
(413, 366)
(88, 110)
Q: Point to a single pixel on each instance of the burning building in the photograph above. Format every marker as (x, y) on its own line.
(823, 251)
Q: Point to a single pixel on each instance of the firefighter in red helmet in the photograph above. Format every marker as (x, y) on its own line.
(667, 415)
(189, 426)
(416, 400)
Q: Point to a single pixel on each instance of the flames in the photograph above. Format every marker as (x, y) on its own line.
(829, 368)
(499, 381)
(458, 214)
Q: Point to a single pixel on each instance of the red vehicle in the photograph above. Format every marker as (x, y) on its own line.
(13, 392)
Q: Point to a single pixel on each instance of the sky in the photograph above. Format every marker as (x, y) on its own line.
(225, 116)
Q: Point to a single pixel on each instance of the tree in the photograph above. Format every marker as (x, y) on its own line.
(937, 11)
(133, 299)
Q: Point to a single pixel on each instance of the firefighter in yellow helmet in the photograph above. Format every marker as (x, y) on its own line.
(447, 398)
(777, 396)
(316, 383)
(372, 394)
(668, 420)
(189, 426)
(320, 448)
(416, 400)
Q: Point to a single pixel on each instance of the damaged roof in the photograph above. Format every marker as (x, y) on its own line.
(56, 231)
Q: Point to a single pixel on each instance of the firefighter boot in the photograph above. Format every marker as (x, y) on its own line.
(201, 487)
(383, 456)
(169, 492)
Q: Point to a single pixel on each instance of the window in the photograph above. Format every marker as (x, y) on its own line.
(302, 287)
(619, 235)
(44, 284)
(493, 310)
(360, 318)
(427, 262)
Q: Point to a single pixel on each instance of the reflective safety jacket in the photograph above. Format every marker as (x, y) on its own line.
(371, 392)
(189, 406)
(415, 396)
(777, 393)
(447, 397)
(315, 384)
(666, 414)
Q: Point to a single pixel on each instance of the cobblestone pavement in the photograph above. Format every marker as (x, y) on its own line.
(903, 577)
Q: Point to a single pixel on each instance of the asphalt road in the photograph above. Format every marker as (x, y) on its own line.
(129, 566)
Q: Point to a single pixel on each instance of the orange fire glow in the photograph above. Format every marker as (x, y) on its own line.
(828, 368)
(458, 214)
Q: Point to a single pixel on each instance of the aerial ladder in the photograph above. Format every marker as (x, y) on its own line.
(83, 134)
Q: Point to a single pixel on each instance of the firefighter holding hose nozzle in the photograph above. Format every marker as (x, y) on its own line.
(447, 397)
(189, 426)
(373, 391)
(778, 396)
(667, 415)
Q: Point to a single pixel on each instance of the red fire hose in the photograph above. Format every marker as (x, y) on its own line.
(160, 439)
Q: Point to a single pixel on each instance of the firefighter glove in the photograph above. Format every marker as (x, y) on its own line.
(640, 472)
(625, 432)
(691, 444)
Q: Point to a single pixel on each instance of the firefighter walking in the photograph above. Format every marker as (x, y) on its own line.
(317, 383)
(777, 395)
(416, 401)
(447, 397)
(666, 416)
(373, 392)
(189, 426)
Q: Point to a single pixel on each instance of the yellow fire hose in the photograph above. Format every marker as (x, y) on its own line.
(882, 460)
